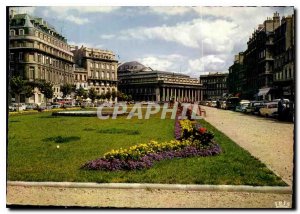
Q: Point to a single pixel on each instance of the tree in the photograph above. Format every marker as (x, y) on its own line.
(46, 88)
(92, 94)
(129, 98)
(113, 94)
(66, 89)
(17, 86)
(102, 96)
(80, 92)
(120, 95)
(108, 95)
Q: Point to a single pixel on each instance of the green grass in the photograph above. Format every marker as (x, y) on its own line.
(33, 154)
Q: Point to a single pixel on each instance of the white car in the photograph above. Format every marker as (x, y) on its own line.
(269, 109)
(16, 107)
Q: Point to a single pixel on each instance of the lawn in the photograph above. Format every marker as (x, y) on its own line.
(33, 154)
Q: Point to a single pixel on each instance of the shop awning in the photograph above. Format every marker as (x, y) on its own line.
(263, 91)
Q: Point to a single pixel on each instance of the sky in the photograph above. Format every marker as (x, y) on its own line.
(188, 40)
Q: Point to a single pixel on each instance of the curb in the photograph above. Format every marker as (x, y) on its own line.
(186, 187)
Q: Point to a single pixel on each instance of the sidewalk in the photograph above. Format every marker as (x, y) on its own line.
(140, 198)
(267, 139)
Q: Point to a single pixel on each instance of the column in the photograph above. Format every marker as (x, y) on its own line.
(193, 91)
(171, 93)
(157, 94)
(175, 89)
(164, 94)
(168, 94)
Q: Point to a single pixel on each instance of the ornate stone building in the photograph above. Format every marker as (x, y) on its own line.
(98, 66)
(214, 85)
(38, 52)
(146, 84)
(284, 58)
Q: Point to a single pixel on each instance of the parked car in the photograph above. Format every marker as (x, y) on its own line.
(30, 106)
(213, 104)
(223, 104)
(56, 106)
(254, 107)
(17, 106)
(243, 104)
(269, 109)
(232, 102)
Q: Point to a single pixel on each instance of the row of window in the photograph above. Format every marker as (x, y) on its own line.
(284, 75)
(48, 75)
(215, 92)
(96, 74)
(216, 80)
(41, 46)
(102, 65)
(42, 59)
(100, 56)
(44, 37)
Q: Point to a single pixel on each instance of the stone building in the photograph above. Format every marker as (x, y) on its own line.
(284, 58)
(80, 77)
(145, 84)
(236, 78)
(260, 61)
(267, 69)
(98, 66)
(38, 52)
(214, 85)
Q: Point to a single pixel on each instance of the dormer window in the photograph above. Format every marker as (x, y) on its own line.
(21, 32)
(12, 33)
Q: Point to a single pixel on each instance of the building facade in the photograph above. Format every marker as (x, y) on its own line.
(260, 61)
(236, 78)
(267, 70)
(146, 84)
(37, 52)
(98, 66)
(214, 85)
(80, 78)
(284, 58)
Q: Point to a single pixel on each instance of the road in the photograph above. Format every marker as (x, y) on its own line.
(269, 140)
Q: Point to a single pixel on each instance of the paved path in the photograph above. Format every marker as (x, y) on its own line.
(267, 139)
(140, 198)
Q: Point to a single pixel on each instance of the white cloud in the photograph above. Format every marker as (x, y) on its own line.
(107, 36)
(85, 44)
(206, 63)
(83, 10)
(170, 10)
(29, 10)
(215, 35)
(76, 20)
(75, 14)
(170, 62)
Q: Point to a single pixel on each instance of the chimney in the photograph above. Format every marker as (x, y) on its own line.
(276, 20)
(12, 14)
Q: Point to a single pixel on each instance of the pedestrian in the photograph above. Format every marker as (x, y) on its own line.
(218, 103)
(281, 109)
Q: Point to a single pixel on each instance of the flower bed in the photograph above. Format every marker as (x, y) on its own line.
(191, 140)
(148, 160)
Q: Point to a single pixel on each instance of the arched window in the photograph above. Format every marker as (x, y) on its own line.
(12, 33)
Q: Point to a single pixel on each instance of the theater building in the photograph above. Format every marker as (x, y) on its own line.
(145, 84)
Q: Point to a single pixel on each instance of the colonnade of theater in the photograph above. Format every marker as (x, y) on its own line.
(180, 94)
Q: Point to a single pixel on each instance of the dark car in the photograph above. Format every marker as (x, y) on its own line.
(254, 107)
(232, 103)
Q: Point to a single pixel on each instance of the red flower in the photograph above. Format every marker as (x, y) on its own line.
(202, 130)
